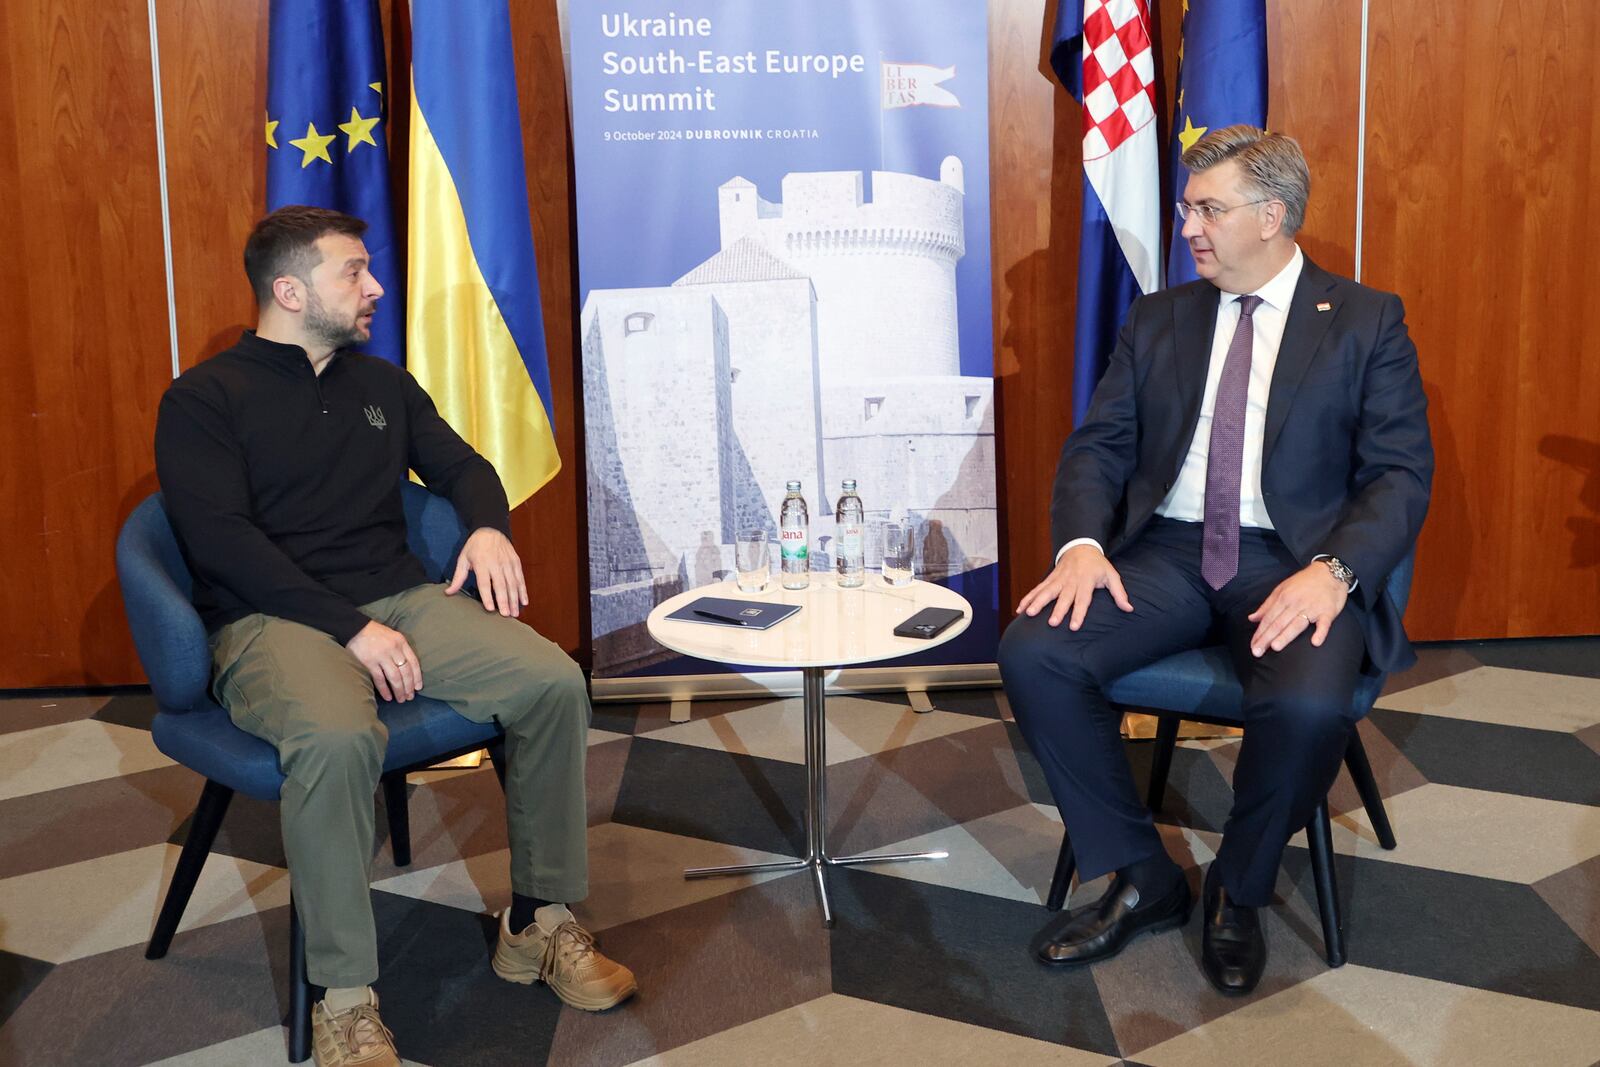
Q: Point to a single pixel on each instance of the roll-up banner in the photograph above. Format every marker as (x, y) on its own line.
(783, 238)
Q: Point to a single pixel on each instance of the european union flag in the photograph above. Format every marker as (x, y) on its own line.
(326, 91)
(1222, 80)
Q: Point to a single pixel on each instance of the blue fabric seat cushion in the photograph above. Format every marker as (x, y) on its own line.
(206, 741)
(1200, 684)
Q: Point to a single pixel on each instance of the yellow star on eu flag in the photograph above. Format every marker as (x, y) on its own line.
(359, 130)
(314, 145)
(272, 133)
(1190, 133)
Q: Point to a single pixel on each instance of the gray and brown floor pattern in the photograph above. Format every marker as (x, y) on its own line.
(1475, 943)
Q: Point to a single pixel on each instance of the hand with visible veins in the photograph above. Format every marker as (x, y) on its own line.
(1310, 597)
(1081, 570)
(489, 557)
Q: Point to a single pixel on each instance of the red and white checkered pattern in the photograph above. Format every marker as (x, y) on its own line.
(1118, 74)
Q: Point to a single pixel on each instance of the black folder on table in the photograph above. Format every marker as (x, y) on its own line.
(720, 611)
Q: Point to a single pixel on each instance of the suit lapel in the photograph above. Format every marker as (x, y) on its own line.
(1303, 332)
(1195, 321)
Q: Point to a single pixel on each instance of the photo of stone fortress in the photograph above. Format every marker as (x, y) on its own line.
(820, 342)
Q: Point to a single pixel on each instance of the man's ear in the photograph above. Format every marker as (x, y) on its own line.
(288, 292)
(1272, 215)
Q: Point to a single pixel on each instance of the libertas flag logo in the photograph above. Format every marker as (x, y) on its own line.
(375, 416)
(916, 85)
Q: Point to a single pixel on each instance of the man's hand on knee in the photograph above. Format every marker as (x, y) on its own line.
(489, 557)
(387, 656)
(1308, 598)
(1081, 570)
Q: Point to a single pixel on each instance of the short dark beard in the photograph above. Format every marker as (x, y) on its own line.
(320, 325)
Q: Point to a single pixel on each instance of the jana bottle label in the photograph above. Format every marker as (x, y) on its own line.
(850, 539)
(793, 543)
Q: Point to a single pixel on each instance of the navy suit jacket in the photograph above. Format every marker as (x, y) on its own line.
(1347, 462)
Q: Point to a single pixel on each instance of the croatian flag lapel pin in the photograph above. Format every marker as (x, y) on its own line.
(1324, 306)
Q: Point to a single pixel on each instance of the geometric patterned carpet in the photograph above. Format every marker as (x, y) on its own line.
(1476, 942)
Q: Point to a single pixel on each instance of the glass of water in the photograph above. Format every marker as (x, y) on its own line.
(753, 558)
(897, 550)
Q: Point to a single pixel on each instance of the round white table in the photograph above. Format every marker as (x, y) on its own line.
(834, 627)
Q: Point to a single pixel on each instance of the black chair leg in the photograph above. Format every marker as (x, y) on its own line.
(299, 990)
(497, 756)
(1161, 765)
(1319, 835)
(1066, 866)
(397, 804)
(1355, 758)
(203, 828)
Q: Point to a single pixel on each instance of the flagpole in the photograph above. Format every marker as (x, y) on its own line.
(881, 164)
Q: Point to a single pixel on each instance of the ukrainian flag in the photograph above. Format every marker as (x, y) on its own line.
(474, 331)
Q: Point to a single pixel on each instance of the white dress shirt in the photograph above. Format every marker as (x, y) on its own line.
(1187, 500)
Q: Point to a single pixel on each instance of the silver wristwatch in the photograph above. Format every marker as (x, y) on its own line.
(1340, 571)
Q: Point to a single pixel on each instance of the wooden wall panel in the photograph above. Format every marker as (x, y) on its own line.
(1483, 157)
(213, 93)
(85, 328)
(1036, 190)
(551, 528)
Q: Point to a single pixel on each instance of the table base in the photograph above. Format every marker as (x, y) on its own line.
(816, 859)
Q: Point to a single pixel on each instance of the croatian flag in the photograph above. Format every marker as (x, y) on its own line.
(1103, 56)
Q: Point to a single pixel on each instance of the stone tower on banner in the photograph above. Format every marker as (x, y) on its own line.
(820, 342)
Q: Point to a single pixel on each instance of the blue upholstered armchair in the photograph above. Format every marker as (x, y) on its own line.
(194, 730)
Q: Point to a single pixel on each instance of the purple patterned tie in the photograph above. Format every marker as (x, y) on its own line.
(1219, 555)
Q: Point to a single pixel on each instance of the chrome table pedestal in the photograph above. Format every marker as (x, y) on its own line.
(816, 859)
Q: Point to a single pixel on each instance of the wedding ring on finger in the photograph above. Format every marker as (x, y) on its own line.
(399, 663)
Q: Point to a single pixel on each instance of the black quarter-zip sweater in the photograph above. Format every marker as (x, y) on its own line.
(284, 486)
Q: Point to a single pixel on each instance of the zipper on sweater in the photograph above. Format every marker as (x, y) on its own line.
(322, 401)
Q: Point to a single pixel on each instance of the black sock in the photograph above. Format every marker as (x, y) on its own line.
(1154, 876)
(522, 909)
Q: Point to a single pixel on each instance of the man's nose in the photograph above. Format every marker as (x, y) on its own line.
(1191, 226)
(373, 289)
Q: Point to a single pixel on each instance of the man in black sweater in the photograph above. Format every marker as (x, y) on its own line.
(281, 461)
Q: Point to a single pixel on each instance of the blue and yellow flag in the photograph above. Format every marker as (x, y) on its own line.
(325, 133)
(1222, 80)
(475, 333)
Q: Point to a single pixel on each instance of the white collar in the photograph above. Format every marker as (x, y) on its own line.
(1278, 292)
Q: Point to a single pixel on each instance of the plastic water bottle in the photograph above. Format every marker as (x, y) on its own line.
(794, 535)
(850, 537)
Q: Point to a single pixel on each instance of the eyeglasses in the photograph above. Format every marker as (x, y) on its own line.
(1208, 213)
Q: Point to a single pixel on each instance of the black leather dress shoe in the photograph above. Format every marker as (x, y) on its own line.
(1100, 931)
(1233, 949)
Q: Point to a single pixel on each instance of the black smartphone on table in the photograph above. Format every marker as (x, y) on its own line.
(929, 622)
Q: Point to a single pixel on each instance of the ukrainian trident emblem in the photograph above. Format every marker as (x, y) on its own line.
(375, 416)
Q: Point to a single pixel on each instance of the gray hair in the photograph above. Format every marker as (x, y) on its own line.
(1274, 168)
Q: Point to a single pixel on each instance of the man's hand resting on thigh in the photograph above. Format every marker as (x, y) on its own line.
(489, 557)
(1307, 598)
(387, 656)
(1081, 570)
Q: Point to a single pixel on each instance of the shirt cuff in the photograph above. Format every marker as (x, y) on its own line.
(1075, 542)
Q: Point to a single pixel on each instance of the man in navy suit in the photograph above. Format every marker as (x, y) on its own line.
(1254, 463)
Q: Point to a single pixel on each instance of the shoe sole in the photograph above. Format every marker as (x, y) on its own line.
(1170, 922)
(527, 976)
